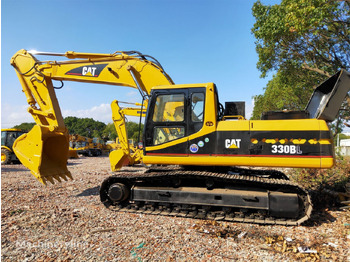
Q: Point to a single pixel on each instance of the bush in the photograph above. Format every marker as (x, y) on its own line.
(324, 183)
(319, 179)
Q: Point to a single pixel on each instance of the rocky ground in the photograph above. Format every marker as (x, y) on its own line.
(67, 222)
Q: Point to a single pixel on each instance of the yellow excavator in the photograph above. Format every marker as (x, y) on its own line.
(204, 152)
(127, 154)
(84, 145)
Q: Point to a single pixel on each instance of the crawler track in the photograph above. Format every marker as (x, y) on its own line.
(170, 181)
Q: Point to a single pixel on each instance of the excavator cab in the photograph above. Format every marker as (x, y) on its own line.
(173, 114)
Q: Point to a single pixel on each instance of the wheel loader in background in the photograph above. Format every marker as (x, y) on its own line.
(8, 137)
(206, 152)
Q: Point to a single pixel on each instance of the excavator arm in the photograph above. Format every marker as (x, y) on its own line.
(44, 150)
(117, 158)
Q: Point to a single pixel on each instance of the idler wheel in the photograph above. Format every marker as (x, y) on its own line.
(118, 192)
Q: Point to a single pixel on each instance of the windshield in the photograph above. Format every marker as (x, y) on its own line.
(9, 137)
(169, 108)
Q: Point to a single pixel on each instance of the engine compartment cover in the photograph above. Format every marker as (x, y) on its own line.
(327, 98)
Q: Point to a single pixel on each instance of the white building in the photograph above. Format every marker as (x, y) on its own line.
(345, 147)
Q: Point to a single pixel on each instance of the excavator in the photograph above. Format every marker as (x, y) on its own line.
(84, 145)
(206, 161)
(128, 153)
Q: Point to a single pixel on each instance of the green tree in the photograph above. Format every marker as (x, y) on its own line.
(91, 128)
(304, 41)
(303, 34)
(25, 126)
(109, 132)
(280, 94)
(133, 131)
(84, 126)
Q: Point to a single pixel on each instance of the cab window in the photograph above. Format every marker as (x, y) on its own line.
(197, 107)
(166, 134)
(169, 108)
(3, 138)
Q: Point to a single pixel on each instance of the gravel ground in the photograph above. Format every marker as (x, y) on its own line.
(67, 222)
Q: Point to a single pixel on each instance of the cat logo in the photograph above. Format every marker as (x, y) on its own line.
(233, 143)
(90, 71)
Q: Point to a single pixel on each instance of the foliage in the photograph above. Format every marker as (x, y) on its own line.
(322, 182)
(309, 34)
(280, 94)
(109, 132)
(84, 126)
(25, 126)
(318, 179)
(91, 128)
(342, 136)
(133, 131)
(304, 41)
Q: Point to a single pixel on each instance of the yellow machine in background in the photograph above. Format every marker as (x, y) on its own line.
(72, 154)
(120, 124)
(8, 137)
(85, 146)
(185, 125)
(114, 145)
(134, 157)
(127, 153)
(99, 144)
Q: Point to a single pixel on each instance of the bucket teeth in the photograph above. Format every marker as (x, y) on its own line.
(69, 175)
(43, 181)
(44, 153)
(66, 176)
(57, 177)
(50, 179)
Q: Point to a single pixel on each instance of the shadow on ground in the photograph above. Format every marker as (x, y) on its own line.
(322, 204)
(73, 163)
(94, 191)
(13, 168)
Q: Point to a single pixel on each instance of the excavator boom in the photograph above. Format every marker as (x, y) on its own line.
(44, 150)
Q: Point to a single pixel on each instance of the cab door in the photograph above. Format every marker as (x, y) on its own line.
(173, 115)
(166, 122)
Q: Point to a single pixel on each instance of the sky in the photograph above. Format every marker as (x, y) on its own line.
(196, 41)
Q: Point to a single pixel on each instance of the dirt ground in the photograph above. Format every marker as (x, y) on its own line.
(67, 222)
